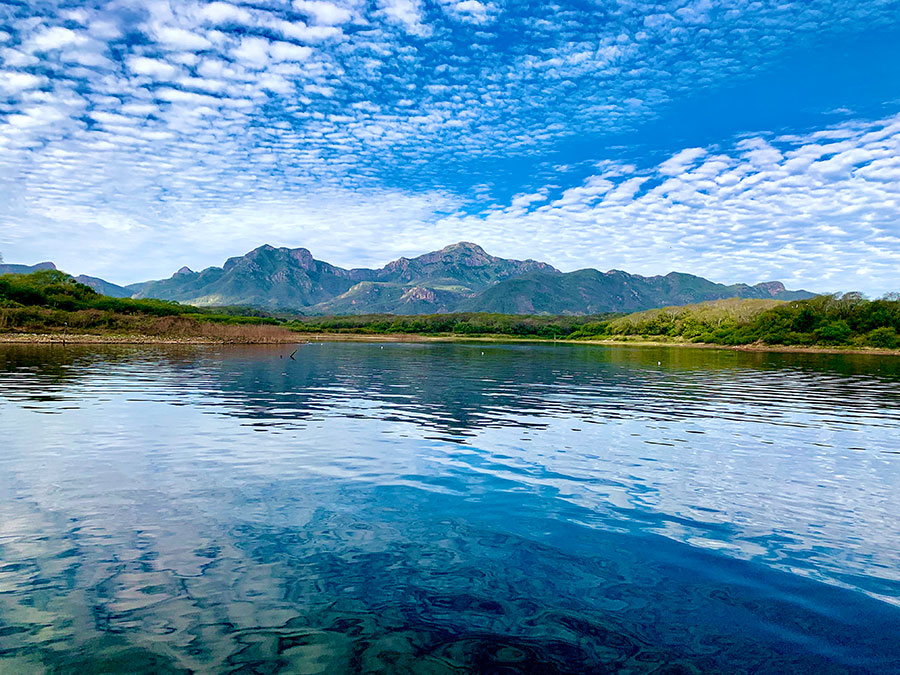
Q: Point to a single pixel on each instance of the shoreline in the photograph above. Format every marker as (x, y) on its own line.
(137, 339)
(124, 339)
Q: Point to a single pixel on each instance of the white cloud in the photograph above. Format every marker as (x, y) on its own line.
(680, 161)
(179, 38)
(760, 153)
(35, 116)
(324, 13)
(286, 51)
(15, 82)
(298, 30)
(626, 190)
(524, 200)
(55, 37)
(470, 10)
(160, 70)
(408, 13)
(223, 12)
(178, 96)
(253, 52)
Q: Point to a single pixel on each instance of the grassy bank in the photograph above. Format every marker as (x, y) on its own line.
(52, 305)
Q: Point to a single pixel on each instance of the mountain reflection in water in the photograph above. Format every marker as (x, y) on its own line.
(427, 508)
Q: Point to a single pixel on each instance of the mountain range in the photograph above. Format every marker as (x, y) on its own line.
(460, 277)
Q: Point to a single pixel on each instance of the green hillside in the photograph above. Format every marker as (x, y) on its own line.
(827, 320)
(589, 291)
(50, 301)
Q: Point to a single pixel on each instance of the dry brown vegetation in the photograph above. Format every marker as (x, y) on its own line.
(180, 326)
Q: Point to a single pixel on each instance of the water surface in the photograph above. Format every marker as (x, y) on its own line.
(443, 508)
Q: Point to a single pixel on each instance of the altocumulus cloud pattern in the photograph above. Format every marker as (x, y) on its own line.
(739, 140)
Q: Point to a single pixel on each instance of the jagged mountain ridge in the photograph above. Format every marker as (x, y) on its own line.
(292, 279)
(460, 277)
(590, 291)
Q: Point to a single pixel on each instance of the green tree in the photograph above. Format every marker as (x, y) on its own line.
(885, 338)
(834, 332)
(805, 320)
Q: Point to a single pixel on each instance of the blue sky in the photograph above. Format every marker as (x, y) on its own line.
(742, 141)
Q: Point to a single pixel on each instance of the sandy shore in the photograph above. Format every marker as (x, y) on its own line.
(135, 339)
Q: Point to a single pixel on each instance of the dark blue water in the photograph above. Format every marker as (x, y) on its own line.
(413, 508)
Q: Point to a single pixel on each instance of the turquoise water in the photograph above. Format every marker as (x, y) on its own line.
(447, 508)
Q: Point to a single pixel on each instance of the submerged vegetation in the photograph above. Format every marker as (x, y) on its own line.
(49, 301)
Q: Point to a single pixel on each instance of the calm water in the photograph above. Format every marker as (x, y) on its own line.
(436, 509)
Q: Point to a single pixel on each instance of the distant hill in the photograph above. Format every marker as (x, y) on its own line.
(99, 285)
(6, 268)
(460, 277)
(104, 287)
(592, 292)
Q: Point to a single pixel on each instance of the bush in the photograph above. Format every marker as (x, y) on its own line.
(833, 332)
(885, 337)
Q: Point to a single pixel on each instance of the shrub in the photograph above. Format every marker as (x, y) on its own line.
(885, 337)
(834, 332)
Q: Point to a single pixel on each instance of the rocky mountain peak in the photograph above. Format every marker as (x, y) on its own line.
(267, 255)
(465, 247)
(773, 288)
(302, 257)
(464, 253)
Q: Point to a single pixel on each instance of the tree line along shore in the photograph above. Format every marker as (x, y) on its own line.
(51, 303)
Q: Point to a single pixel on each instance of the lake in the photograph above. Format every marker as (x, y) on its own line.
(445, 508)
